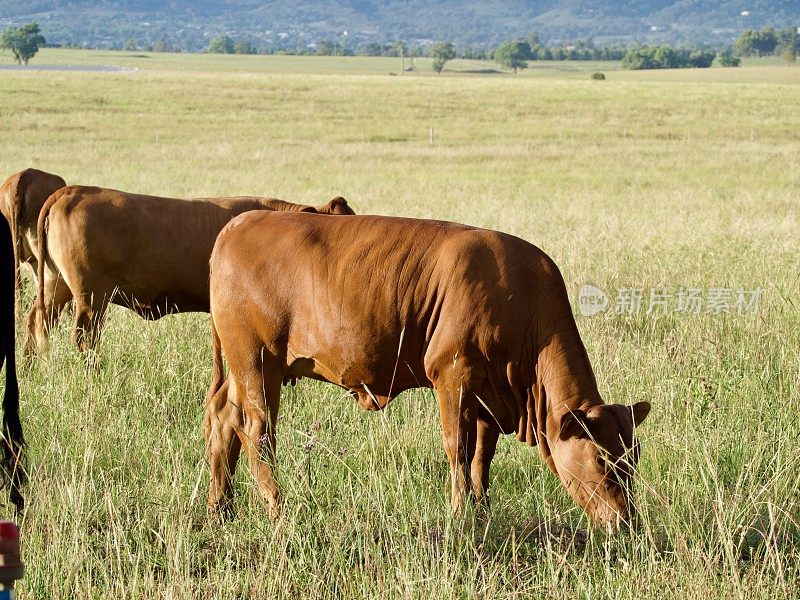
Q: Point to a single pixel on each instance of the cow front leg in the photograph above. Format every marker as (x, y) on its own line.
(458, 412)
(484, 453)
(222, 420)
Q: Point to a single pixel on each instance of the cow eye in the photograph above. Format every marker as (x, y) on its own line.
(601, 462)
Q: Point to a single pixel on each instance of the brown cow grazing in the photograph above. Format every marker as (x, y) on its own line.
(146, 253)
(21, 198)
(13, 440)
(379, 305)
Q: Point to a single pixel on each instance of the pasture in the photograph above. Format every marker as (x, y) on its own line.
(648, 180)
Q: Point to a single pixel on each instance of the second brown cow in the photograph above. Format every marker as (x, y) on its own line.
(147, 253)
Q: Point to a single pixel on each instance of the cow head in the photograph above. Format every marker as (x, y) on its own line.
(337, 206)
(595, 456)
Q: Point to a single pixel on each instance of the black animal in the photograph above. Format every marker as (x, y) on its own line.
(13, 440)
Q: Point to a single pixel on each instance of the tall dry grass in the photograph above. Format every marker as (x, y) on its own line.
(644, 180)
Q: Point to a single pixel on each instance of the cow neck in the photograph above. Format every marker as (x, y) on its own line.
(563, 378)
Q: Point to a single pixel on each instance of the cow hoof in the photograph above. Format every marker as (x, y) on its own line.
(220, 512)
(274, 512)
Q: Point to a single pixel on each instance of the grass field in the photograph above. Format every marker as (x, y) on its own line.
(646, 180)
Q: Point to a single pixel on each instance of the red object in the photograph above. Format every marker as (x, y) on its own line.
(9, 529)
(11, 567)
(9, 538)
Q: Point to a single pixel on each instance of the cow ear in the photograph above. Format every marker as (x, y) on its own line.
(573, 424)
(337, 206)
(640, 411)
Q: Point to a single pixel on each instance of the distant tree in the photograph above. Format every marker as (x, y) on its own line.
(725, 58)
(24, 42)
(744, 45)
(222, 44)
(638, 58)
(701, 58)
(790, 55)
(327, 48)
(398, 49)
(243, 47)
(787, 39)
(160, 46)
(767, 41)
(130, 45)
(758, 42)
(513, 55)
(441, 52)
(470, 53)
(371, 49)
(599, 76)
(666, 58)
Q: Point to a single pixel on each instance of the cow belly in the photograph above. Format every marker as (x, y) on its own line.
(373, 383)
(153, 306)
(308, 367)
(157, 280)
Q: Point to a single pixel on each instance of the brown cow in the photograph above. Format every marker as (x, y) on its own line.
(379, 305)
(21, 198)
(146, 253)
(13, 440)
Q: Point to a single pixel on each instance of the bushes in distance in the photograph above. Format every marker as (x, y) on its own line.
(666, 57)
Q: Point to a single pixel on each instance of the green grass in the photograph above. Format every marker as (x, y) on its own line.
(753, 69)
(645, 180)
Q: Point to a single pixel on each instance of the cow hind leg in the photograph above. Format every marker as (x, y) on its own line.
(259, 392)
(90, 311)
(223, 419)
(42, 319)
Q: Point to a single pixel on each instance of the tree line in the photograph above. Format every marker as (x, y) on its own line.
(666, 57)
(25, 41)
(516, 54)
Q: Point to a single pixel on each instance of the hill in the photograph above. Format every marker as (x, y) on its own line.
(275, 25)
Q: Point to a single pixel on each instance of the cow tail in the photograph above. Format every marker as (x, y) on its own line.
(44, 258)
(218, 371)
(16, 235)
(13, 439)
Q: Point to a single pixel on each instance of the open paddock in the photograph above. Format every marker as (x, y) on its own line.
(647, 180)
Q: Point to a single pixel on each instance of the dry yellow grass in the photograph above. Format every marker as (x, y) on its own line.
(685, 178)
